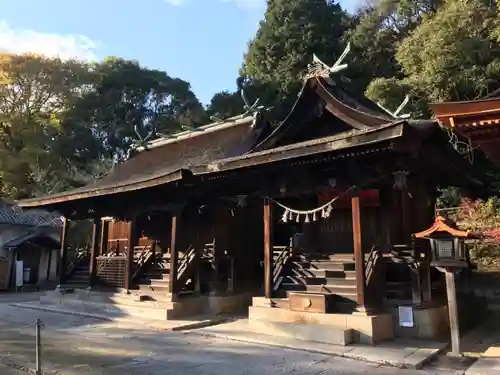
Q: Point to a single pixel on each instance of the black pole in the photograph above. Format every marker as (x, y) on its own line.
(38, 347)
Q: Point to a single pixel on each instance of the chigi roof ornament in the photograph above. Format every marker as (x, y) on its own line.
(319, 68)
(396, 113)
(254, 109)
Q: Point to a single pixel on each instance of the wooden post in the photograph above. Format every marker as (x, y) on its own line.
(452, 311)
(172, 280)
(94, 249)
(104, 237)
(268, 249)
(64, 252)
(425, 279)
(132, 241)
(230, 281)
(416, 290)
(359, 258)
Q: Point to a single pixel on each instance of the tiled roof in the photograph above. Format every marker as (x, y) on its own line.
(12, 214)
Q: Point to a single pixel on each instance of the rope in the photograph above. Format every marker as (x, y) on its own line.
(325, 209)
(315, 210)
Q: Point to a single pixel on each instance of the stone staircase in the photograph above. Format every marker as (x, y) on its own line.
(154, 281)
(332, 275)
(79, 277)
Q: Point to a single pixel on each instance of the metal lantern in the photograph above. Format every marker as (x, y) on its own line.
(447, 243)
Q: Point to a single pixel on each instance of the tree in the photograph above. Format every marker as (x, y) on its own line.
(127, 99)
(376, 30)
(225, 104)
(291, 32)
(35, 94)
(450, 56)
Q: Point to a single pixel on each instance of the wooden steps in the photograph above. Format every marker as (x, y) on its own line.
(332, 275)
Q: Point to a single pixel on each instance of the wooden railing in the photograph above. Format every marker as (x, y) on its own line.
(186, 262)
(145, 256)
(77, 259)
(374, 256)
(281, 256)
(110, 271)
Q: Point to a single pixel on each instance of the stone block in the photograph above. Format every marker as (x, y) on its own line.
(305, 332)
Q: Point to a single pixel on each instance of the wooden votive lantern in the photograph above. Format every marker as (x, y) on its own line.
(447, 243)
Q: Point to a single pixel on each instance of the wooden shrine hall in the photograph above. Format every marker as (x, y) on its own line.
(308, 221)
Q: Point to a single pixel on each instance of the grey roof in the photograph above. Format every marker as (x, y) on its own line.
(15, 215)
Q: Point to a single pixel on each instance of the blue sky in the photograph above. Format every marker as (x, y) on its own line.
(200, 41)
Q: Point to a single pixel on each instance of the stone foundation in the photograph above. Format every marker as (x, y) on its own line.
(430, 323)
(366, 329)
(120, 304)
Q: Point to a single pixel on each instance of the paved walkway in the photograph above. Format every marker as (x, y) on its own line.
(82, 346)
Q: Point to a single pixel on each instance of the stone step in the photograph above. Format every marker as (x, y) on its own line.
(292, 286)
(330, 281)
(332, 266)
(347, 292)
(311, 272)
(306, 332)
(145, 309)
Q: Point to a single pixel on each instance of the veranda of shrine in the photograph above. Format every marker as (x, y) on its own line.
(307, 222)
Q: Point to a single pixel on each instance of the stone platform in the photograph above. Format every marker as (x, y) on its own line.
(347, 328)
(488, 364)
(118, 305)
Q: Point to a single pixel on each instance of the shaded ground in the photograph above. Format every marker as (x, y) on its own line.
(76, 346)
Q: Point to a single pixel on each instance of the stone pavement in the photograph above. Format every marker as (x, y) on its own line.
(399, 353)
(75, 345)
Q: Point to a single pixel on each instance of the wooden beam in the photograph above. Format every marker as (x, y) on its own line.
(268, 249)
(133, 239)
(63, 255)
(359, 258)
(94, 249)
(174, 253)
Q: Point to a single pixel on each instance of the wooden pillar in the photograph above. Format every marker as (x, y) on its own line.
(359, 259)
(416, 290)
(451, 294)
(268, 249)
(174, 253)
(94, 249)
(133, 239)
(63, 259)
(425, 279)
(103, 240)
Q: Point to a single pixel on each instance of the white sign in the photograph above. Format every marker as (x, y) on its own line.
(19, 273)
(405, 316)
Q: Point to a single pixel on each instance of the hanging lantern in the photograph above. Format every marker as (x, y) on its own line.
(290, 215)
(284, 218)
(315, 216)
(297, 220)
(307, 219)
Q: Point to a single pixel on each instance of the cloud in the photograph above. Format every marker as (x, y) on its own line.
(49, 44)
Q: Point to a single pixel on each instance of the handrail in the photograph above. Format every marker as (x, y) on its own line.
(371, 262)
(79, 256)
(186, 260)
(144, 258)
(279, 264)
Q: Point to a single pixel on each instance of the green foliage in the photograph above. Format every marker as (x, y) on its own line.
(291, 32)
(64, 123)
(450, 56)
